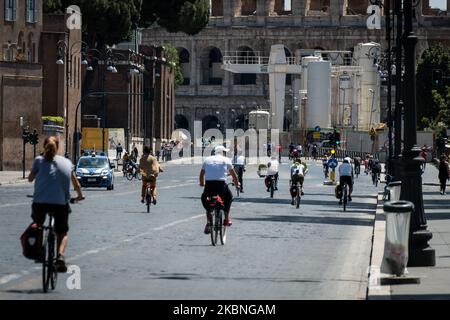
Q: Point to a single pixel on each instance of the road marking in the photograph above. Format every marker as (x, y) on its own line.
(15, 276)
(8, 205)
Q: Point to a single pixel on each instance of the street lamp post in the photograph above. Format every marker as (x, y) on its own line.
(420, 253)
(372, 92)
(68, 53)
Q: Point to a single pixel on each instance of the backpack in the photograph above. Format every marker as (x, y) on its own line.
(31, 241)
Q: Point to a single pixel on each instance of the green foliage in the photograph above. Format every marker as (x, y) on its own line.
(108, 22)
(433, 101)
(171, 54)
(57, 120)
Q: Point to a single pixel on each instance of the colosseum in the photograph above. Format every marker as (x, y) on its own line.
(222, 99)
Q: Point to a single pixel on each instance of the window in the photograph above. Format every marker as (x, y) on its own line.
(10, 10)
(31, 11)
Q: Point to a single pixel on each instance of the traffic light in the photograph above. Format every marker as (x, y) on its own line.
(34, 138)
(436, 77)
(26, 136)
(337, 137)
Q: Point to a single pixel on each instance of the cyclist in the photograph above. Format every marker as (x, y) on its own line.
(376, 170)
(357, 163)
(150, 169)
(239, 168)
(325, 165)
(53, 175)
(272, 170)
(213, 176)
(346, 176)
(314, 151)
(291, 149)
(298, 172)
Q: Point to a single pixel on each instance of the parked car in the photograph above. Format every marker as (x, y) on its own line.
(95, 171)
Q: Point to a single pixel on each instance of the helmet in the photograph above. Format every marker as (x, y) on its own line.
(347, 159)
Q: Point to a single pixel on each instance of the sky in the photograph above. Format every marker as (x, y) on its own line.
(442, 4)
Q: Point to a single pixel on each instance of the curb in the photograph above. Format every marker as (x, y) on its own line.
(375, 290)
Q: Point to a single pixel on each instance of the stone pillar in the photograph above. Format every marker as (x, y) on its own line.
(337, 10)
(236, 8)
(269, 8)
(299, 11)
(226, 83)
(194, 77)
(261, 12)
(227, 14)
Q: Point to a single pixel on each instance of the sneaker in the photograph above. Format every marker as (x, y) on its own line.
(276, 188)
(154, 201)
(207, 229)
(241, 191)
(349, 198)
(292, 202)
(268, 190)
(227, 222)
(60, 264)
(302, 193)
(340, 201)
(142, 200)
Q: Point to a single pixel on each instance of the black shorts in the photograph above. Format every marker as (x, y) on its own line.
(347, 179)
(60, 213)
(217, 188)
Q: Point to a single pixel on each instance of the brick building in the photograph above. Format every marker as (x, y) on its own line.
(21, 78)
(142, 104)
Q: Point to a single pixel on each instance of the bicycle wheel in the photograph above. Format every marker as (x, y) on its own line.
(297, 199)
(344, 202)
(52, 274)
(213, 228)
(129, 175)
(272, 189)
(45, 262)
(148, 199)
(222, 228)
(217, 224)
(376, 180)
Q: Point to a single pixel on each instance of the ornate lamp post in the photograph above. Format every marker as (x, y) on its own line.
(420, 253)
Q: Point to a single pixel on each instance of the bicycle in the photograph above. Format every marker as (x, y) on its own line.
(298, 191)
(326, 171)
(133, 172)
(375, 178)
(357, 170)
(148, 196)
(49, 252)
(271, 185)
(344, 196)
(216, 220)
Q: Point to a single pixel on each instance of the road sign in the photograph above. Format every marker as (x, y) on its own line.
(332, 163)
(316, 135)
(317, 128)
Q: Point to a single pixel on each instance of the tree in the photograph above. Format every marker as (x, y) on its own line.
(108, 22)
(433, 96)
(172, 56)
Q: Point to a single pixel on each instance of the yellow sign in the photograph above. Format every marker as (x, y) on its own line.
(92, 139)
(316, 135)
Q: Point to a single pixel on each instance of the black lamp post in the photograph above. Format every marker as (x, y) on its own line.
(420, 253)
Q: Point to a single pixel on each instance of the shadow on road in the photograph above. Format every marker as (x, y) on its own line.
(310, 219)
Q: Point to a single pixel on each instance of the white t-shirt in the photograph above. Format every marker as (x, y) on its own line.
(273, 169)
(216, 168)
(240, 160)
(298, 169)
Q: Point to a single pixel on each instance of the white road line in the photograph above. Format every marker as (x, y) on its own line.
(15, 276)
(9, 205)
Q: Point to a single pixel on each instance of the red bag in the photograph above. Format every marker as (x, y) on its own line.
(31, 241)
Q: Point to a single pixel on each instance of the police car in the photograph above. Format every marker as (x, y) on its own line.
(95, 171)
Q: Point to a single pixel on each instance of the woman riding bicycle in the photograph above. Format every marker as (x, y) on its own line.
(298, 172)
(53, 175)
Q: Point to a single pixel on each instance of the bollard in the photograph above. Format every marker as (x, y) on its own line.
(398, 215)
(394, 188)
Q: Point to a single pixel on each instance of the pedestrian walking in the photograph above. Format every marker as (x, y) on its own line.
(119, 151)
(443, 173)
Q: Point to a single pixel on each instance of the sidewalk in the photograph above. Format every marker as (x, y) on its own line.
(13, 177)
(434, 281)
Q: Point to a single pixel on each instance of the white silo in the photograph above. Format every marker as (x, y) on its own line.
(366, 55)
(305, 61)
(318, 107)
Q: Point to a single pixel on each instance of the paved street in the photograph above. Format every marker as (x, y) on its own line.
(274, 251)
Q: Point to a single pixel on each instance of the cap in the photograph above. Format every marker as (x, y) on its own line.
(220, 149)
(347, 159)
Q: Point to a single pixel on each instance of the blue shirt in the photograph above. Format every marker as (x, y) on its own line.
(52, 184)
(216, 168)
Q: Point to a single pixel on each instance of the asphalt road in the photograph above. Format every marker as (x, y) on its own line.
(273, 250)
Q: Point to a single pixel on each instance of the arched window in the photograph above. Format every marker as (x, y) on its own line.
(31, 51)
(216, 8)
(357, 7)
(185, 64)
(320, 6)
(283, 7)
(245, 55)
(210, 66)
(248, 7)
(288, 56)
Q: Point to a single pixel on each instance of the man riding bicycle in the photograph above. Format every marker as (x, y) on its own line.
(376, 170)
(272, 170)
(150, 169)
(298, 172)
(239, 168)
(213, 176)
(357, 163)
(346, 176)
(325, 165)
